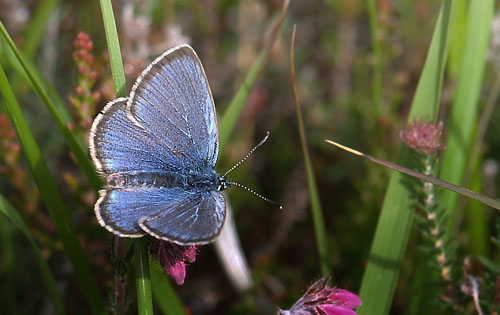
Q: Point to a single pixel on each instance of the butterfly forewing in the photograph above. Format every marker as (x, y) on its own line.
(118, 145)
(172, 100)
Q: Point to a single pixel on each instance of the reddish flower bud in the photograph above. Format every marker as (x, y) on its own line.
(423, 137)
(79, 90)
(93, 75)
(173, 258)
(83, 69)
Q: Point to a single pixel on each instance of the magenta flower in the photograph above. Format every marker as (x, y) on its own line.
(173, 258)
(423, 137)
(320, 299)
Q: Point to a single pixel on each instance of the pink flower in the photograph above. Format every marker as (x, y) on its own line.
(423, 137)
(173, 258)
(320, 299)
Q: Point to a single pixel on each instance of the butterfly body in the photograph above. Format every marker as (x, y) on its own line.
(204, 181)
(157, 151)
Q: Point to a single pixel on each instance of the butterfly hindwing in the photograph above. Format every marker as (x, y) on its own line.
(198, 219)
(120, 209)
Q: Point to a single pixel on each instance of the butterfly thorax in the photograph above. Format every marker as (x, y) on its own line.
(200, 180)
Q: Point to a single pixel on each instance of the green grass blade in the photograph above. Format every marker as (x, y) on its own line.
(144, 298)
(51, 198)
(164, 294)
(233, 112)
(13, 62)
(316, 209)
(476, 218)
(76, 148)
(8, 210)
(36, 29)
(463, 120)
(33, 36)
(457, 38)
(9, 267)
(115, 56)
(145, 301)
(395, 221)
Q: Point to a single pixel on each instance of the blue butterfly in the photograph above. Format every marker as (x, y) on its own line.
(157, 150)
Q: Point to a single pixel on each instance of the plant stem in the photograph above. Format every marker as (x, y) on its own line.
(144, 297)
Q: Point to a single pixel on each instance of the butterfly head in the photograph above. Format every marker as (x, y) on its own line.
(222, 183)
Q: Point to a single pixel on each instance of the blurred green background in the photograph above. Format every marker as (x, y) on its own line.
(348, 93)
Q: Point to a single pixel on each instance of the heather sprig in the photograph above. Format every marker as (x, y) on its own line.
(424, 138)
(480, 278)
(83, 104)
(84, 98)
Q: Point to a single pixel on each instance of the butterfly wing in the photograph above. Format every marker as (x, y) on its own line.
(172, 100)
(198, 219)
(173, 214)
(119, 210)
(118, 145)
(168, 124)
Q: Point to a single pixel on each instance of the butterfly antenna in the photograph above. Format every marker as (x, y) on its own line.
(255, 193)
(249, 153)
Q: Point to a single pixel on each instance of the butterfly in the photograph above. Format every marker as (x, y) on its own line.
(157, 151)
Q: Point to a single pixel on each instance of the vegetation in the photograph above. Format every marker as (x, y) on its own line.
(415, 83)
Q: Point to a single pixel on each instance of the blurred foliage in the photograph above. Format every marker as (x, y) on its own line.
(334, 66)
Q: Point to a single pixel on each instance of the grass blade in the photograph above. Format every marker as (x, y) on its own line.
(167, 301)
(317, 212)
(465, 107)
(233, 112)
(457, 38)
(476, 218)
(395, 221)
(51, 198)
(50, 284)
(33, 36)
(76, 148)
(436, 181)
(34, 33)
(145, 301)
(144, 298)
(115, 56)
(13, 62)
